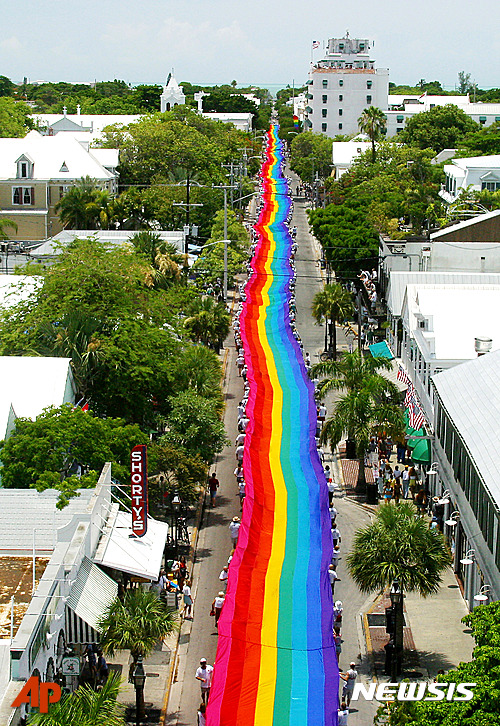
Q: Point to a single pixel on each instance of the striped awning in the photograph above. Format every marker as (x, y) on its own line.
(92, 592)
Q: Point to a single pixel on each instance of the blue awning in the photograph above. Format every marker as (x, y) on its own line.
(381, 350)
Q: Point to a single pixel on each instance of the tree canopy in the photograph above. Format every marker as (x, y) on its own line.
(443, 127)
(65, 448)
(311, 153)
(15, 118)
(483, 670)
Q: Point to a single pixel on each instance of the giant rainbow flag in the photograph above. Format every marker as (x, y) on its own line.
(276, 663)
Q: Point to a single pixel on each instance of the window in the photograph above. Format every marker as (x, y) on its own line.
(324, 99)
(325, 84)
(400, 119)
(341, 97)
(398, 130)
(23, 195)
(369, 84)
(490, 186)
(341, 82)
(368, 100)
(24, 168)
(323, 127)
(361, 46)
(497, 119)
(340, 126)
(340, 112)
(482, 119)
(324, 112)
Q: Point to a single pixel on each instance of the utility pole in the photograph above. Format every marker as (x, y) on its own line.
(225, 187)
(187, 204)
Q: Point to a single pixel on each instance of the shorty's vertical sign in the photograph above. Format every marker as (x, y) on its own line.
(139, 481)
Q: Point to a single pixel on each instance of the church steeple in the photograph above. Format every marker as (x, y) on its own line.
(172, 94)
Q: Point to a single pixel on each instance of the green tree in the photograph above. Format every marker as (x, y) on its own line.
(483, 142)
(4, 225)
(332, 304)
(194, 425)
(6, 86)
(46, 452)
(222, 101)
(397, 545)
(368, 406)
(311, 153)
(85, 707)
(137, 623)
(208, 322)
(372, 122)
(483, 670)
(443, 127)
(196, 368)
(15, 118)
(85, 206)
(183, 473)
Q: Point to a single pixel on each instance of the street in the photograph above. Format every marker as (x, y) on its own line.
(199, 637)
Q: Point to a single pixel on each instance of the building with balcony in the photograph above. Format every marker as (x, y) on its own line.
(341, 85)
(475, 173)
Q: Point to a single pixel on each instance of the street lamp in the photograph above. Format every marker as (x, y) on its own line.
(396, 595)
(176, 506)
(445, 497)
(453, 520)
(469, 557)
(483, 594)
(139, 679)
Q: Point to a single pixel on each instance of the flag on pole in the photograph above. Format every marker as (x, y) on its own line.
(403, 376)
(295, 122)
(315, 44)
(416, 418)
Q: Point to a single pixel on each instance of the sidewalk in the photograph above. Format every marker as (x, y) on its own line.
(434, 637)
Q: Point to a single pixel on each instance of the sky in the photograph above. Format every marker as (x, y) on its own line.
(263, 42)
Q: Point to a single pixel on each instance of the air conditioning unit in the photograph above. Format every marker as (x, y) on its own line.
(397, 249)
(426, 251)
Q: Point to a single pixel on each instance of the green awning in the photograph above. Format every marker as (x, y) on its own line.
(412, 432)
(422, 452)
(381, 350)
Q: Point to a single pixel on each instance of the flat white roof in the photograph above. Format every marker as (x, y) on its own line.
(476, 162)
(470, 392)
(24, 511)
(97, 121)
(120, 550)
(344, 152)
(399, 279)
(112, 237)
(459, 314)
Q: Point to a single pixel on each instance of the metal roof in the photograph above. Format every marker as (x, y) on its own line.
(399, 280)
(24, 511)
(470, 393)
(479, 219)
(92, 593)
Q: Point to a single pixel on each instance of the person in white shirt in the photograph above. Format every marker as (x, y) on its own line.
(241, 492)
(342, 714)
(239, 452)
(335, 556)
(234, 529)
(188, 600)
(333, 577)
(224, 575)
(405, 476)
(336, 536)
(240, 439)
(217, 606)
(333, 515)
(350, 680)
(204, 674)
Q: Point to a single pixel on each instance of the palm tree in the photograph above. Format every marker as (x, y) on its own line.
(208, 322)
(4, 224)
(75, 336)
(85, 206)
(397, 545)
(164, 257)
(85, 707)
(136, 624)
(369, 405)
(333, 303)
(373, 123)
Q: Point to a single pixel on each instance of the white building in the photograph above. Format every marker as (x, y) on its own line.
(342, 85)
(172, 95)
(30, 384)
(402, 108)
(479, 173)
(469, 246)
(91, 550)
(345, 152)
(91, 125)
(465, 451)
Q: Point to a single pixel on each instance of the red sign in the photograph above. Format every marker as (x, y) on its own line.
(38, 695)
(139, 482)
